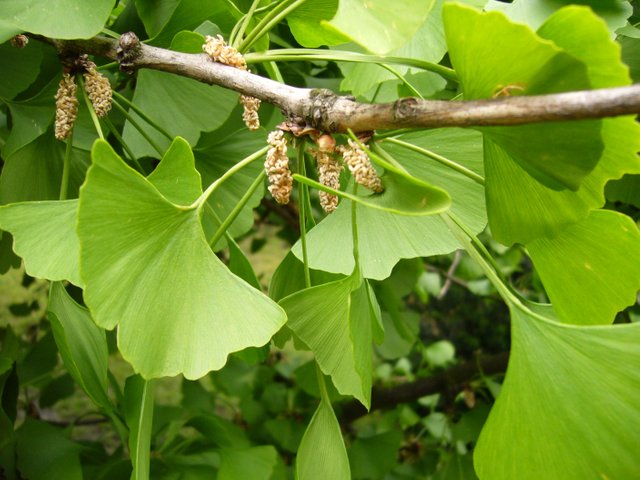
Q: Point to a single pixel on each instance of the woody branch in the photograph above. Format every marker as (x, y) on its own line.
(326, 111)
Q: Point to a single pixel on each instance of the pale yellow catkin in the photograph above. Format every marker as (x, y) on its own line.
(276, 166)
(329, 175)
(220, 52)
(98, 90)
(66, 106)
(360, 167)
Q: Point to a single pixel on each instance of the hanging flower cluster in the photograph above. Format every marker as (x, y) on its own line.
(98, 89)
(276, 166)
(66, 106)
(360, 167)
(329, 169)
(220, 52)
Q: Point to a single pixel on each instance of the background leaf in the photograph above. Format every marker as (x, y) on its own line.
(138, 412)
(61, 18)
(187, 107)
(255, 463)
(590, 270)
(82, 345)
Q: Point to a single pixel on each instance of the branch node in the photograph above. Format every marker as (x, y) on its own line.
(405, 108)
(318, 115)
(128, 51)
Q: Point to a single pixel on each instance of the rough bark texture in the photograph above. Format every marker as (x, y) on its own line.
(326, 111)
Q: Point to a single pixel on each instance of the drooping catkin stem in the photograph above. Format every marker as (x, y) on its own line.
(220, 52)
(276, 166)
(66, 106)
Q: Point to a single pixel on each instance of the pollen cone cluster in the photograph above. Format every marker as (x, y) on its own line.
(98, 89)
(66, 106)
(277, 168)
(220, 52)
(329, 169)
(360, 167)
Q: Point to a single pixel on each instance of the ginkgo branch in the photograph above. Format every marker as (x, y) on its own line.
(326, 111)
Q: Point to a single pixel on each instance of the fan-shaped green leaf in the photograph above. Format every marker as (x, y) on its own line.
(82, 344)
(44, 236)
(557, 154)
(321, 454)
(523, 209)
(568, 407)
(175, 177)
(380, 25)
(147, 267)
(590, 270)
(335, 321)
(384, 237)
(61, 18)
(255, 463)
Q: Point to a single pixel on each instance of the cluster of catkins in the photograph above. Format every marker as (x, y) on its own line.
(326, 155)
(220, 52)
(98, 90)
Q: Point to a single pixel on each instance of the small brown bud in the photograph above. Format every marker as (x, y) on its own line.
(19, 41)
(66, 106)
(326, 143)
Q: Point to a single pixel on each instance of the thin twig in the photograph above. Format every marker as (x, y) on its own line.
(324, 110)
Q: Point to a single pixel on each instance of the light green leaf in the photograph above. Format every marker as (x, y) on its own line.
(385, 238)
(138, 413)
(82, 344)
(556, 154)
(521, 208)
(535, 12)
(590, 271)
(568, 407)
(255, 463)
(46, 453)
(380, 25)
(187, 312)
(163, 19)
(44, 236)
(182, 106)
(60, 19)
(306, 23)
(175, 177)
(334, 320)
(321, 454)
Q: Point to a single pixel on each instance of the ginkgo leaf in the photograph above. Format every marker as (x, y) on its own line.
(138, 412)
(385, 238)
(590, 270)
(559, 155)
(175, 177)
(335, 321)
(521, 209)
(44, 236)
(82, 344)
(382, 26)
(148, 269)
(403, 195)
(322, 454)
(568, 406)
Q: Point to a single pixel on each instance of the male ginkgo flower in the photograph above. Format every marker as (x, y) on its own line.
(66, 106)
(98, 89)
(360, 167)
(276, 166)
(220, 52)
